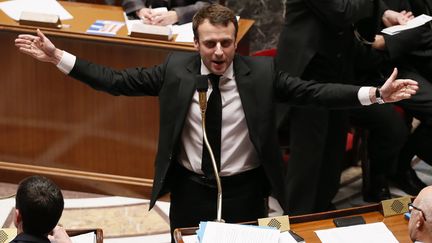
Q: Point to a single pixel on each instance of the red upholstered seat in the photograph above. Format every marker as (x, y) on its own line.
(268, 52)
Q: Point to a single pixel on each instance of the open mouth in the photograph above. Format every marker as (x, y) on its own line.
(218, 62)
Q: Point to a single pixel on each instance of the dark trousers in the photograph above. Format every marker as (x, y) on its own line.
(194, 199)
(419, 143)
(419, 106)
(317, 145)
(317, 141)
(388, 132)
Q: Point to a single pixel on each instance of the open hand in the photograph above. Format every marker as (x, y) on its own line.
(149, 16)
(164, 18)
(395, 90)
(391, 17)
(39, 47)
(145, 15)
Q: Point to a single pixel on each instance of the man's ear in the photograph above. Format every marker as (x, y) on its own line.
(420, 220)
(17, 218)
(196, 43)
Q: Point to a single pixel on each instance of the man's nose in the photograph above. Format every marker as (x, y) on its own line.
(218, 50)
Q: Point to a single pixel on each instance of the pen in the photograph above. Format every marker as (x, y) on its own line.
(296, 237)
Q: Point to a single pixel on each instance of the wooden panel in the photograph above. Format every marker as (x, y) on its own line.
(51, 121)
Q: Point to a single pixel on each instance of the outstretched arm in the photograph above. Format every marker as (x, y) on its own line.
(334, 95)
(39, 47)
(132, 81)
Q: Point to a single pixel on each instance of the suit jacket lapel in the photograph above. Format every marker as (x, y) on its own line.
(247, 92)
(185, 93)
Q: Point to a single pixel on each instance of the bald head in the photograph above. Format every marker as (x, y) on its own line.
(420, 224)
(424, 198)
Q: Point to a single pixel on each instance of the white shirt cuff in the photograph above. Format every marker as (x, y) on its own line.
(67, 62)
(363, 95)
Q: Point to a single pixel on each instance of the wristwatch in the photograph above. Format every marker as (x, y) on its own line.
(378, 97)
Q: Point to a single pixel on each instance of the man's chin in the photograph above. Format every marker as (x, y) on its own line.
(218, 69)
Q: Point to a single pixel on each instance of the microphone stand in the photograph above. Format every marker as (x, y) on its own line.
(202, 94)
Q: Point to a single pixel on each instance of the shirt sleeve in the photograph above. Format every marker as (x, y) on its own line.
(67, 62)
(363, 96)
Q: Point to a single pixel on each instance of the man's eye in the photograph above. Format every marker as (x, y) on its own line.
(226, 43)
(210, 44)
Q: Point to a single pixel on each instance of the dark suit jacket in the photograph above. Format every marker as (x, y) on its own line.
(185, 9)
(412, 48)
(259, 87)
(311, 25)
(421, 7)
(26, 238)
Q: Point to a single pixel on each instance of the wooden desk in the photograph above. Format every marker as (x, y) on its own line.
(84, 139)
(305, 225)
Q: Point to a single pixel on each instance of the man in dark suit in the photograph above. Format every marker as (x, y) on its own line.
(180, 11)
(250, 159)
(318, 43)
(411, 52)
(38, 208)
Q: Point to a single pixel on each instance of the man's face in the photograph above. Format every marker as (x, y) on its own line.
(216, 45)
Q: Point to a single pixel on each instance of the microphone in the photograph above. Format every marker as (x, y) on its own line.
(202, 87)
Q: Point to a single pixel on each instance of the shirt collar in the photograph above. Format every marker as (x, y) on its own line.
(228, 75)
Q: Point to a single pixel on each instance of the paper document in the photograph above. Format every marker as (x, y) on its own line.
(84, 238)
(105, 27)
(130, 21)
(284, 237)
(214, 232)
(183, 32)
(370, 233)
(190, 239)
(413, 23)
(14, 8)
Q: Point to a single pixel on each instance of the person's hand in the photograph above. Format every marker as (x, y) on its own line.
(391, 17)
(395, 90)
(379, 42)
(39, 47)
(145, 15)
(59, 235)
(164, 18)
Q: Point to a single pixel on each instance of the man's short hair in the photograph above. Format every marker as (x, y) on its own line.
(40, 204)
(216, 14)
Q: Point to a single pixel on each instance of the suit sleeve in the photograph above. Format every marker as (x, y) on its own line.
(130, 6)
(296, 91)
(407, 41)
(130, 82)
(341, 13)
(186, 13)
